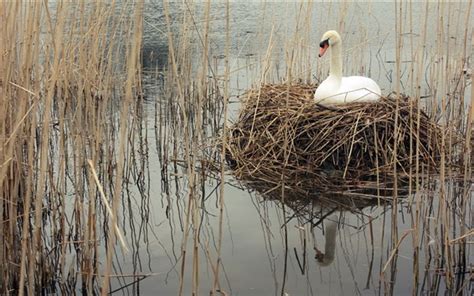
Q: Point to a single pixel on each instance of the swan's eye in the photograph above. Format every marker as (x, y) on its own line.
(324, 43)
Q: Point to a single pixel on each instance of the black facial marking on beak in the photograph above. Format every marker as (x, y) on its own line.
(324, 43)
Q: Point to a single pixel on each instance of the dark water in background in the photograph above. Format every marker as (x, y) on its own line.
(253, 247)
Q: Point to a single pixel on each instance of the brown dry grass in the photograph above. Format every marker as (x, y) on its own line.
(69, 74)
(334, 149)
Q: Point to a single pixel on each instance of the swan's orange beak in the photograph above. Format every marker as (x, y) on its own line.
(323, 49)
(323, 46)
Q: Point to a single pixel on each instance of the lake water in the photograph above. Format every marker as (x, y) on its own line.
(258, 254)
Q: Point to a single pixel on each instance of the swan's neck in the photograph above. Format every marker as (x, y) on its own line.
(335, 69)
(330, 245)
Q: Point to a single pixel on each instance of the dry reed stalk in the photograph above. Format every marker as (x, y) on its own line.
(59, 69)
(107, 206)
(418, 209)
(12, 178)
(56, 38)
(394, 211)
(179, 55)
(174, 69)
(217, 286)
(133, 52)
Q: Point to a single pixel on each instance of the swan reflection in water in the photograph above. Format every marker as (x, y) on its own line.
(330, 210)
(326, 258)
(332, 215)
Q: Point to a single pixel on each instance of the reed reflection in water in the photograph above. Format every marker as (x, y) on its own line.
(114, 132)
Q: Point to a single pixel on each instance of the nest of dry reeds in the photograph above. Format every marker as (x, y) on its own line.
(285, 143)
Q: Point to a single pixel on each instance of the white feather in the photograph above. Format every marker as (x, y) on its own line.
(337, 89)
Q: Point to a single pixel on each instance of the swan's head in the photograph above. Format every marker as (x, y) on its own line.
(329, 39)
(322, 259)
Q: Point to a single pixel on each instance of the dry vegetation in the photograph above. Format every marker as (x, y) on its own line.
(69, 89)
(281, 135)
(74, 146)
(425, 134)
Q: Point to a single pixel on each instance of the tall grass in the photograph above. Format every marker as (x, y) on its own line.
(74, 143)
(438, 207)
(195, 101)
(69, 85)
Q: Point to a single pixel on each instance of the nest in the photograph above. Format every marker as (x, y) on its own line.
(285, 144)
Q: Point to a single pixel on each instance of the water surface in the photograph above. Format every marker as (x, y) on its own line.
(254, 245)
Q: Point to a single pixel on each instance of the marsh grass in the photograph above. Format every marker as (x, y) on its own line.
(69, 91)
(74, 153)
(438, 206)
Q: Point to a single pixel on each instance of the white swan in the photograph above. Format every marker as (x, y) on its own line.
(337, 89)
(326, 258)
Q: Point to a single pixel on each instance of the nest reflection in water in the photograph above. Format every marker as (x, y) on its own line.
(283, 144)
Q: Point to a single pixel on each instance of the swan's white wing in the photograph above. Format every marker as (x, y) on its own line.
(359, 89)
(349, 89)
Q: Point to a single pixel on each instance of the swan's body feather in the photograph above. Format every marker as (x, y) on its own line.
(347, 89)
(337, 89)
